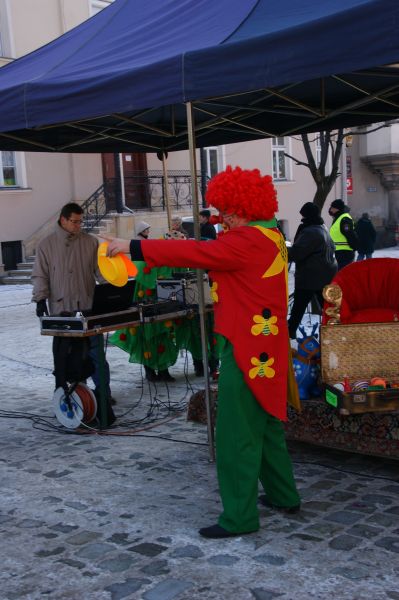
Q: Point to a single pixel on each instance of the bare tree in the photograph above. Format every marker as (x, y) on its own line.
(327, 170)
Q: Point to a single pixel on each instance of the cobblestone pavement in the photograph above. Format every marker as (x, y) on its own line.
(114, 516)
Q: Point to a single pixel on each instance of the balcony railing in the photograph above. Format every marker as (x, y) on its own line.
(142, 191)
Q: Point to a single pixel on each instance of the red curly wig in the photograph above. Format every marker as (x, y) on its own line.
(245, 193)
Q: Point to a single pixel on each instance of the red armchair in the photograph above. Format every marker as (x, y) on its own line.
(370, 292)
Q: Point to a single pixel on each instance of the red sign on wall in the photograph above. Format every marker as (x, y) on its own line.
(349, 185)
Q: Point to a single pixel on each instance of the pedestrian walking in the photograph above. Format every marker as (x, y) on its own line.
(342, 233)
(367, 235)
(315, 264)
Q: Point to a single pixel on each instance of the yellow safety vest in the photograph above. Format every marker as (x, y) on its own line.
(340, 241)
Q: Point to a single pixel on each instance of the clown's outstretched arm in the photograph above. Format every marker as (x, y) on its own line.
(116, 245)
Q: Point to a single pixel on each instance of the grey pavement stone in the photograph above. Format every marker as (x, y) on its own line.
(322, 529)
(119, 591)
(57, 474)
(270, 559)
(344, 517)
(119, 538)
(30, 524)
(365, 531)
(340, 496)
(64, 528)
(223, 560)
(83, 537)
(378, 499)
(76, 505)
(148, 549)
(50, 552)
(118, 563)
(389, 543)
(382, 519)
(323, 484)
(189, 551)
(262, 594)
(156, 568)
(72, 563)
(391, 488)
(94, 551)
(353, 573)
(392, 511)
(344, 542)
(167, 589)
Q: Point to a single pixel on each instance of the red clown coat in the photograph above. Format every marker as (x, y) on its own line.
(248, 267)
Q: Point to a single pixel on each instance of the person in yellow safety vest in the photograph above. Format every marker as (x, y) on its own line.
(342, 233)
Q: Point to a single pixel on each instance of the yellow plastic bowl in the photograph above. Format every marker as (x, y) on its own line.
(112, 268)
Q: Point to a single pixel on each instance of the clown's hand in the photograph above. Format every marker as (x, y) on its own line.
(116, 245)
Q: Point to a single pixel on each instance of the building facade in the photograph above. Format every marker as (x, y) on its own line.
(34, 186)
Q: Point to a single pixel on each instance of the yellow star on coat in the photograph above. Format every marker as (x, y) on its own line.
(280, 262)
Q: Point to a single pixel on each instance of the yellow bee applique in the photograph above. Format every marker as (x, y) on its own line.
(262, 366)
(214, 293)
(264, 323)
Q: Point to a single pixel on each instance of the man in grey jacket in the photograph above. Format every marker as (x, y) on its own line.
(65, 273)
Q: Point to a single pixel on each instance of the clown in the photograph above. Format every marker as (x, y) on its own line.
(248, 268)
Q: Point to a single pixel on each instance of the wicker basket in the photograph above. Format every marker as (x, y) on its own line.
(360, 351)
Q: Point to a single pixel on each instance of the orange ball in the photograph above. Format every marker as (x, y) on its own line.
(378, 381)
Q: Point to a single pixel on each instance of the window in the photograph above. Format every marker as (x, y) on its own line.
(8, 169)
(214, 160)
(97, 5)
(279, 160)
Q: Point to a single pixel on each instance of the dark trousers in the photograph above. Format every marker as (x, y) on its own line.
(301, 300)
(344, 257)
(94, 355)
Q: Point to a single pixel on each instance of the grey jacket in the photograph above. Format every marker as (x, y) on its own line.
(65, 271)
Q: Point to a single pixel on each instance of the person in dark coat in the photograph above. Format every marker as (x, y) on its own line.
(207, 230)
(367, 235)
(315, 264)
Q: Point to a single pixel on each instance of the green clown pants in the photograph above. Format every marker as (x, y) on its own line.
(250, 446)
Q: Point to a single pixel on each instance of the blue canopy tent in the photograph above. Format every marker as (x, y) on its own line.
(166, 75)
(250, 69)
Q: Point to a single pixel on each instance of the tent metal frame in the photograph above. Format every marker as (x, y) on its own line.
(370, 96)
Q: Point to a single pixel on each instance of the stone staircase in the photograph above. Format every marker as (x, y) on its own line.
(22, 274)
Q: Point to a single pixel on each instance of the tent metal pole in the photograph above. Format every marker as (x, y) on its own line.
(200, 279)
(166, 190)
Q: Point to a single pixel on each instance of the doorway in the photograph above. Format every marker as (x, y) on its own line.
(12, 254)
(135, 180)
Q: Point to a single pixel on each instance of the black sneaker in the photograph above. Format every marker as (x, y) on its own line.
(150, 374)
(165, 376)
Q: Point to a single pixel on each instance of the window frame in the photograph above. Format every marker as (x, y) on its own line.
(220, 159)
(96, 6)
(278, 148)
(20, 171)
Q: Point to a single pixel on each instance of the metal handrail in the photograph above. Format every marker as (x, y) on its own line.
(144, 190)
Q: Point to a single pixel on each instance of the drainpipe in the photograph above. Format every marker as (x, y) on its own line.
(203, 175)
(118, 184)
